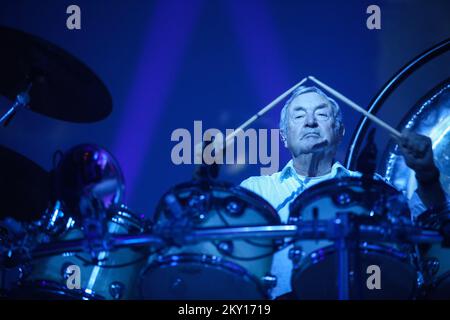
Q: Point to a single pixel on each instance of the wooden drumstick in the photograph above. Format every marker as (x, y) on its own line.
(265, 109)
(372, 117)
(255, 117)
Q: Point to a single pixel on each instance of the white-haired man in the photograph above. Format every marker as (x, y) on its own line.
(311, 128)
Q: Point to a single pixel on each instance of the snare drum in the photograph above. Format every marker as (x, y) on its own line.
(434, 258)
(112, 277)
(237, 269)
(315, 268)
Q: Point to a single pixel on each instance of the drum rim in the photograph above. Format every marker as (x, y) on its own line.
(432, 218)
(327, 250)
(130, 220)
(268, 211)
(217, 262)
(56, 288)
(317, 190)
(378, 248)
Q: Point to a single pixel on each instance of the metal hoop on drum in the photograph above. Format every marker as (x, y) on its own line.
(386, 91)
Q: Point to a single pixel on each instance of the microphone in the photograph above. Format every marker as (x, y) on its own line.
(206, 171)
(367, 160)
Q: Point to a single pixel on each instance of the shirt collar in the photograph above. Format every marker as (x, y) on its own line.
(337, 170)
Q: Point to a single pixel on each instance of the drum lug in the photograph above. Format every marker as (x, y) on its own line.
(343, 198)
(225, 247)
(269, 281)
(198, 207)
(116, 290)
(199, 218)
(296, 254)
(234, 207)
(25, 271)
(431, 266)
(293, 219)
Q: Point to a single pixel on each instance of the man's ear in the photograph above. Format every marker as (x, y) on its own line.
(342, 131)
(283, 138)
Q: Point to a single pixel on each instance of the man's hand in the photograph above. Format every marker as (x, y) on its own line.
(418, 153)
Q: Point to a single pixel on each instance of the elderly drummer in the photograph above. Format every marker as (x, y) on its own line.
(311, 127)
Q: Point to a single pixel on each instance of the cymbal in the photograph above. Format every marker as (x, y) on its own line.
(24, 187)
(62, 86)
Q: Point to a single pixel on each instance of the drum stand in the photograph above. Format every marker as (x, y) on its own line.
(346, 230)
(342, 244)
(346, 234)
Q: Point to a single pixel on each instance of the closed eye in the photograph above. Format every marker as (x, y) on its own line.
(322, 116)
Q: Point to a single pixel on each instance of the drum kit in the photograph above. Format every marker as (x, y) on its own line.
(207, 239)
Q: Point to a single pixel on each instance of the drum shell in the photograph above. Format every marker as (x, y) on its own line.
(206, 254)
(349, 196)
(47, 277)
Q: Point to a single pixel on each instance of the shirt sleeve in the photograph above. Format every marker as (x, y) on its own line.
(415, 204)
(256, 184)
(250, 184)
(246, 183)
(417, 207)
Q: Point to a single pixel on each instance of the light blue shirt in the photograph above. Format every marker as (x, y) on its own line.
(283, 187)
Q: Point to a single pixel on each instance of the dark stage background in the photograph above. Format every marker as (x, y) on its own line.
(168, 63)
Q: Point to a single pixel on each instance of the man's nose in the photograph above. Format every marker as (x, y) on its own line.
(311, 121)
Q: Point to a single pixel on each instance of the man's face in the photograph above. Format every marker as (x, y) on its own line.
(310, 125)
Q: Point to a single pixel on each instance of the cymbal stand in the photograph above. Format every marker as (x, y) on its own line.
(22, 100)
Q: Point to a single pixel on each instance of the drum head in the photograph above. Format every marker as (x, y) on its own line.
(199, 197)
(199, 278)
(316, 278)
